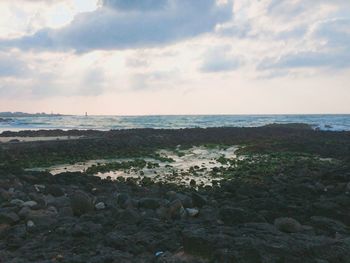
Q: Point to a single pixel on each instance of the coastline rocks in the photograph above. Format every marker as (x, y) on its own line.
(288, 225)
(81, 203)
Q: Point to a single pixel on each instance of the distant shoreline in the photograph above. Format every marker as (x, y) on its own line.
(24, 114)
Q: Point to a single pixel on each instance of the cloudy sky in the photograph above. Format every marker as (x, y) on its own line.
(135, 57)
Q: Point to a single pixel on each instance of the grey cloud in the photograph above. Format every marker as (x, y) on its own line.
(116, 28)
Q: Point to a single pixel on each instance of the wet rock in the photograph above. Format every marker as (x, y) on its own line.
(81, 203)
(288, 225)
(100, 206)
(10, 218)
(149, 203)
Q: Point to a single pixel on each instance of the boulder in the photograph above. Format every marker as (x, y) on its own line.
(81, 203)
(288, 225)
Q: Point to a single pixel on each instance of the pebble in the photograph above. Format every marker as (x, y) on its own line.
(100, 206)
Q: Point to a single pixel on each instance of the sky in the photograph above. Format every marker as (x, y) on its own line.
(140, 57)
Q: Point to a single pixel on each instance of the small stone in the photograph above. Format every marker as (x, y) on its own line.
(100, 206)
(287, 224)
(39, 187)
(192, 212)
(30, 224)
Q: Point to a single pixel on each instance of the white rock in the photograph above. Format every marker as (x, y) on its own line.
(192, 212)
(39, 187)
(30, 203)
(100, 206)
(30, 223)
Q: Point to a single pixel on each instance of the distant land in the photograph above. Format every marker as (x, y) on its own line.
(24, 114)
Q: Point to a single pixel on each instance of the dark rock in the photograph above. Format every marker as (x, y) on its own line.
(149, 203)
(54, 190)
(124, 201)
(329, 226)
(288, 225)
(130, 216)
(232, 216)
(9, 218)
(66, 211)
(199, 200)
(81, 203)
(176, 209)
(42, 218)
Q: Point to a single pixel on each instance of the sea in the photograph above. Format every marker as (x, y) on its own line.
(65, 122)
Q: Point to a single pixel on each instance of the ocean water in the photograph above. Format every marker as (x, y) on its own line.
(324, 122)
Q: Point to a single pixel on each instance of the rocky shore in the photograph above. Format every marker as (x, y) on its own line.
(280, 205)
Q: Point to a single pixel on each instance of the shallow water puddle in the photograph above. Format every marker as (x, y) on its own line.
(194, 164)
